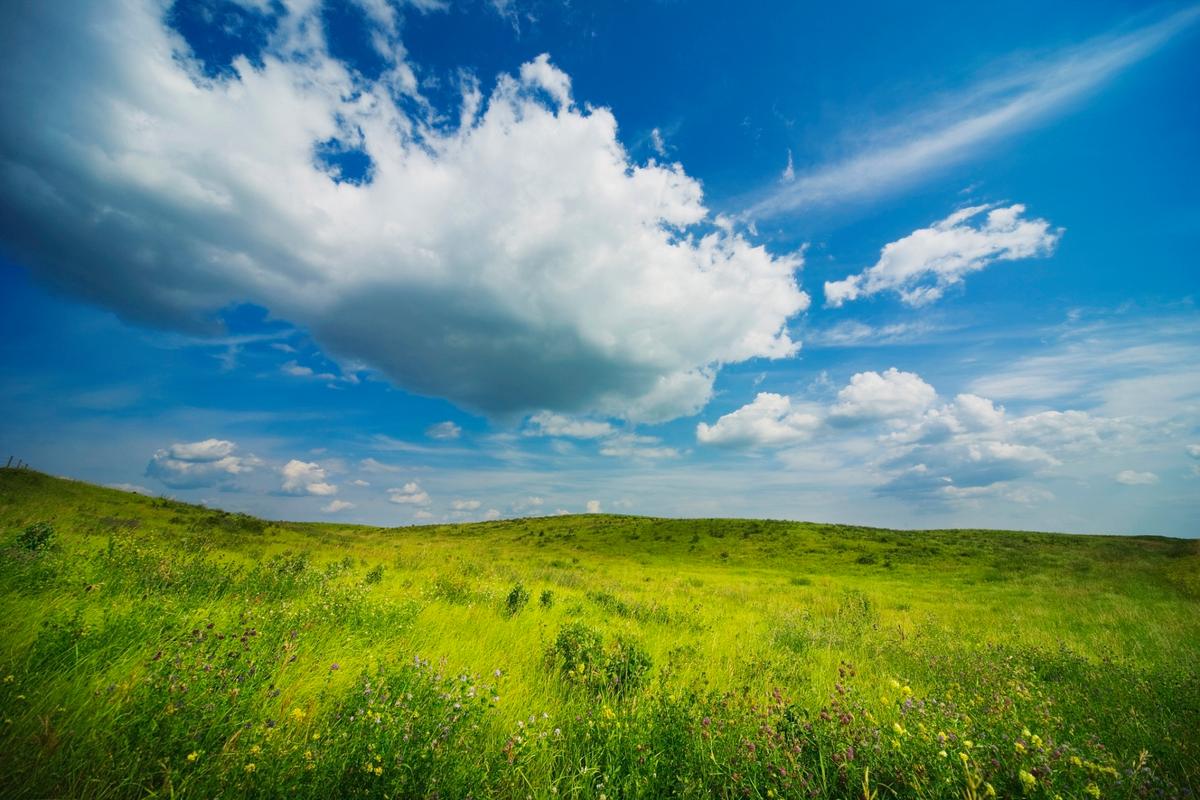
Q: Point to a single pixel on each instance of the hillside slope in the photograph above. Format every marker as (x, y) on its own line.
(153, 647)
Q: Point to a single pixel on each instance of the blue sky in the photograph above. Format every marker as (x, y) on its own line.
(405, 262)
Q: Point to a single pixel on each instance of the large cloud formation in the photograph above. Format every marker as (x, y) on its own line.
(512, 260)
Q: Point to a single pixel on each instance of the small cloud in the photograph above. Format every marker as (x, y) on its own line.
(769, 421)
(1193, 450)
(444, 431)
(371, 465)
(131, 487)
(360, 482)
(465, 505)
(491, 514)
(335, 506)
(546, 423)
(421, 513)
(305, 477)
(1131, 478)
(658, 143)
(789, 172)
(410, 494)
(593, 506)
(892, 394)
(921, 266)
(191, 465)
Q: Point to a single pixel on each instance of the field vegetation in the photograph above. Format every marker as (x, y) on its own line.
(150, 648)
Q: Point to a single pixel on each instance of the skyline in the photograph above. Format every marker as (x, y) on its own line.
(399, 263)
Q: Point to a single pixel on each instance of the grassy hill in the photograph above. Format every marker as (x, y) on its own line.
(154, 648)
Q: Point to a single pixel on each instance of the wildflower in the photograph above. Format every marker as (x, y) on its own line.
(334, 667)
(967, 743)
(192, 756)
(1020, 748)
(1027, 780)
(316, 736)
(251, 767)
(1077, 761)
(963, 757)
(1092, 789)
(255, 750)
(609, 713)
(941, 754)
(378, 771)
(1037, 741)
(9, 678)
(898, 728)
(989, 790)
(298, 714)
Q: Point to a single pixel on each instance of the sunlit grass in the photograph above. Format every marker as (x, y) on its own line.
(151, 648)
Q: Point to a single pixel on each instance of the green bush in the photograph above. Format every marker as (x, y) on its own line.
(36, 537)
(516, 600)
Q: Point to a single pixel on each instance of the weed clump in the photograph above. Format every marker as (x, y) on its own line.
(517, 599)
(36, 537)
(584, 659)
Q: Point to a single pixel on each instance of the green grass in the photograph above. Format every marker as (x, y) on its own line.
(153, 648)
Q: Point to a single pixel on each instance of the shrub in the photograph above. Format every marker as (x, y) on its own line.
(546, 598)
(36, 537)
(583, 658)
(516, 600)
(375, 575)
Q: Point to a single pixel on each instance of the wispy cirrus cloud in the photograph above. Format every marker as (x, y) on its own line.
(956, 129)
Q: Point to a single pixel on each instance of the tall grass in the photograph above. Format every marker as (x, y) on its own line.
(150, 648)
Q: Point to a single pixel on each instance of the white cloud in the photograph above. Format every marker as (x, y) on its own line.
(491, 513)
(374, 466)
(1131, 477)
(299, 371)
(630, 445)
(923, 264)
(305, 477)
(1193, 450)
(516, 262)
(546, 423)
(930, 140)
(421, 513)
(593, 506)
(131, 487)
(768, 421)
(191, 465)
(360, 482)
(444, 431)
(410, 494)
(335, 506)
(465, 505)
(892, 394)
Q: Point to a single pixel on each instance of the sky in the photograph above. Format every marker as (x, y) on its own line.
(407, 262)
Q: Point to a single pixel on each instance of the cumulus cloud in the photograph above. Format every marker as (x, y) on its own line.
(768, 421)
(1193, 450)
(874, 396)
(1131, 477)
(514, 262)
(334, 506)
(465, 505)
(411, 494)
(921, 266)
(593, 506)
(305, 477)
(444, 431)
(546, 423)
(192, 465)
(491, 514)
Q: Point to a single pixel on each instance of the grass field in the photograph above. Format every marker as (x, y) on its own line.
(153, 648)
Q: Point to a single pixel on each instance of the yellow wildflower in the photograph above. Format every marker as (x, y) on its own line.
(298, 714)
(250, 768)
(1027, 780)
(192, 756)
(989, 790)
(1092, 789)
(378, 771)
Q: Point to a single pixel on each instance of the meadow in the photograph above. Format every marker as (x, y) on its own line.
(150, 648)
